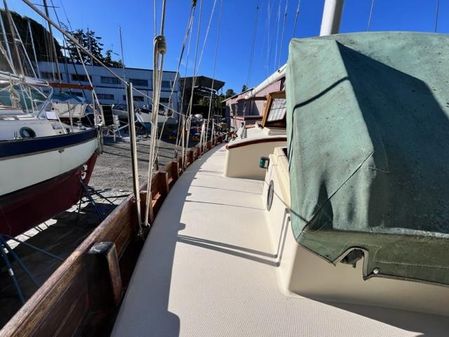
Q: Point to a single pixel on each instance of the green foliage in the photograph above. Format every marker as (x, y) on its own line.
(110, 62)
(229, 93)
(44, 44)
(93, 43)
(89, 41)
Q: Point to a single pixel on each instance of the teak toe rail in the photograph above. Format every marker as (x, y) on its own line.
(82, 296)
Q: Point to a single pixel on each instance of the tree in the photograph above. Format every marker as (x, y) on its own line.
(244, 88)
(110, 62)
(89, 41)
(229, 93)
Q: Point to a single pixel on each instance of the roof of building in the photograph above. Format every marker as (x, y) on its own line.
(202, 81)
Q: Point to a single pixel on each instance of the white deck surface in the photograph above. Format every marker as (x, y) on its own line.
(207, 270)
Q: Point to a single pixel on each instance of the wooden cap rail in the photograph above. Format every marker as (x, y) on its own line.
(172, 169)
(69, 303)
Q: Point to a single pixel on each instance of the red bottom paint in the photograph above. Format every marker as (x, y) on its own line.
(30, 206)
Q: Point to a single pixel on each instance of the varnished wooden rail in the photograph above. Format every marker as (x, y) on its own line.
(189, 157)
(172, 170)
(73, 300)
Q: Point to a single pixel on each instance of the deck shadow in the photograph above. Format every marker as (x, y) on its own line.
(145, 307)
(59, 238)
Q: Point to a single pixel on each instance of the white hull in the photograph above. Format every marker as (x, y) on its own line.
(27, 170)
(10, 127)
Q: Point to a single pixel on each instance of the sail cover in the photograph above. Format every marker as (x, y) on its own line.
(368, 146)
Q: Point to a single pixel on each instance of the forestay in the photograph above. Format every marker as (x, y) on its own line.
(368, 144)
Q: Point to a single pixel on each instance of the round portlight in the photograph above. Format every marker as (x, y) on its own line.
(26, 132)
(270, 195)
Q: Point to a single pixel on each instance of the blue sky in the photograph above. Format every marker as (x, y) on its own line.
(237, 31)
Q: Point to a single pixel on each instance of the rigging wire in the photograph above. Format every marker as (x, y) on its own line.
(253, 46)
(5, 55)
(370, 18)
(296, 17)
(437, 14)
(277, 33)
(52, 44)
(13, 36)
(195, 65)
(267, 64)
(160, 48)
(19, 39)
(94, 94)
(214, 70)
(65, 14)
(86, 51)
(282, 34)
(207, 33)
(8, 49)
(33, 47)
(181, 126)
(154, 19)
(186, 38)
(64, 40)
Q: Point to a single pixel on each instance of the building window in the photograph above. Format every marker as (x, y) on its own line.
(49, 75)
(106, 96)
(139, 82)
(78, 77)
(164, 100)
(138, 98)
(110, 80)
(166, 84)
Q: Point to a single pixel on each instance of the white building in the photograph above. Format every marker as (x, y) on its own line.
(109, 89)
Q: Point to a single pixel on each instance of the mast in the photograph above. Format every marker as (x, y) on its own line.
(123, 58)
(332, 11)
(13, 36)
(6, 40)
(34, 49)
(52, 43)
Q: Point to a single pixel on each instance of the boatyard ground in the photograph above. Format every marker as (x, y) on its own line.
(112, 178)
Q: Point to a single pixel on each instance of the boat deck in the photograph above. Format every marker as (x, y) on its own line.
(208, 268)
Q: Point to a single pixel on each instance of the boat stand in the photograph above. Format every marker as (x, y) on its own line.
(88, 193)
(8, 255)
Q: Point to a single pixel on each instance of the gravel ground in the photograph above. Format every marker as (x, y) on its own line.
(113, 170)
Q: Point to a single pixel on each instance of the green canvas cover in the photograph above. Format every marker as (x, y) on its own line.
(368, 146)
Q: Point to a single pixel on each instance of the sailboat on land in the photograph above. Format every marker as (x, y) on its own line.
(43, 162)
(339, 230)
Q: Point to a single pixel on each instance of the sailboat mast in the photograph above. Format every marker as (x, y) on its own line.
(34, 49)
(123, 58)
(52, 42)
(6, 39)
(332, 11)
(13, 36)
